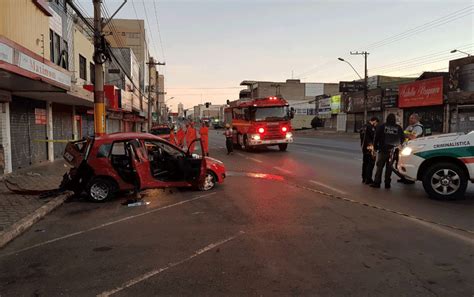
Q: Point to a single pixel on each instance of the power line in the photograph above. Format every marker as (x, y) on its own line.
(421, 28)
(148, 24)
(159, 31)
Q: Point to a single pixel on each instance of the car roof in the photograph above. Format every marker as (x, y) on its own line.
(126, 135)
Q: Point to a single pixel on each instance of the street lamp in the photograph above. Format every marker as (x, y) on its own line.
(456, 50)
(366, 85)
(342, 60)
(169, 99)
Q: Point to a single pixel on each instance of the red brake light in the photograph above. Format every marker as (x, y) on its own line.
(261, 130)
(284, 129)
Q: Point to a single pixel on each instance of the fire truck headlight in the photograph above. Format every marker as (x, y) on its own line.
(256, 137)
(289, 135)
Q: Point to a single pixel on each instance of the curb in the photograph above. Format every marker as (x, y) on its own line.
(25, 223)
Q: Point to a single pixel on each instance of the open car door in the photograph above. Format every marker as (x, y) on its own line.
(197, 162)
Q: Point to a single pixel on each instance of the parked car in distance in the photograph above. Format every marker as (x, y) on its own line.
(105, 165)
(162, 131)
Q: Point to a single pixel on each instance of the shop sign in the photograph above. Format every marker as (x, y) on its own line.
(28, 63)
(6, 53)
(355, 101)
(461, 74)
(390, 101)
(114, 115)
(336, 104)
(425, 92)
(40, 116)
(351, 86)
(324, 106)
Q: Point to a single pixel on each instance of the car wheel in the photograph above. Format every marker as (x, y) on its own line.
(445, 181)
(209, 181)
(100, 189)
(283, 146)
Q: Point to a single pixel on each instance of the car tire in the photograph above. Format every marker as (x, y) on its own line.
(282, 147)
(100, 189)
(210, 181)
(445, 181)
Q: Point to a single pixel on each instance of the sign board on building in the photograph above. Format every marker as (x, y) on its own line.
(461, 74)
(324, 106)
(425, 92)
(351, 86)
(354, 102)
(313, 89)
(336, 104)
(390, 98)
(40, 116)
(28, 63)
(6, 53)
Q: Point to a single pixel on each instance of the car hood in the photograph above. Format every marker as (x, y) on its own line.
(211, 161)
(436, 139)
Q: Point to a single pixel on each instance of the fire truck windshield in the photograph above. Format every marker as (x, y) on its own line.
(277, 113)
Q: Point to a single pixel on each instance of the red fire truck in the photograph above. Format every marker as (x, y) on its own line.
(260, 122)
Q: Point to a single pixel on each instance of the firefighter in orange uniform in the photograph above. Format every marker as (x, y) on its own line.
(204, 133)
(190, 136)
(180, 137)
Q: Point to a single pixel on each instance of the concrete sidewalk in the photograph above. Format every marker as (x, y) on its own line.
(19, 211)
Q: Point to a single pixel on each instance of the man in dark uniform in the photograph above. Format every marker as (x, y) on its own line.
(387, 136)
(367, 134)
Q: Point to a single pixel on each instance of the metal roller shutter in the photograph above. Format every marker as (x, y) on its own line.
(62, 127)
(26, 134)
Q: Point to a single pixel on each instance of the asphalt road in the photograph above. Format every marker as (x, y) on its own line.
(295, 223)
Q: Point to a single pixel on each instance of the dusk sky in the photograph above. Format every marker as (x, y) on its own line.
(211, 46)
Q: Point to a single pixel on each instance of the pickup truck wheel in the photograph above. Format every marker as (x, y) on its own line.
(209, 181)
(445, 181)
(283, 146)
(100, 189)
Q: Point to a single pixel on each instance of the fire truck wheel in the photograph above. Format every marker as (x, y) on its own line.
(283, 147)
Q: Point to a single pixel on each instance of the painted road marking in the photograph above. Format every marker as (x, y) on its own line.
(107, 224)
(152, 273)
(255, 160)
(283, 170)
(328, 187)
(240, 154)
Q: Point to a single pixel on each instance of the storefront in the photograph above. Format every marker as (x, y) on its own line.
(354, 106)
(424, 97)
(390, 105)
(114, 121)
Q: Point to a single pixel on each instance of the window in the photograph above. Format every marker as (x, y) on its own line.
(82, 67)
(57, 48)
(92, 72)
(277, 113)
(64, 61)
(119, 149)
(51, 45)
(104, 150)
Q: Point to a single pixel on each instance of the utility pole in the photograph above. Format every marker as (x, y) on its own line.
(152, 65)
(366, 83)
(99, 59)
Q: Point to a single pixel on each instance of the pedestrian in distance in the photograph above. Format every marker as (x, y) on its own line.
(387, 137)
(204, 134)
(190, 137)
(173, 139)
(367, 135)
(229, 143)
(180, 137)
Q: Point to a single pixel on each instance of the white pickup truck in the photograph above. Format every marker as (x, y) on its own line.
(444, 163)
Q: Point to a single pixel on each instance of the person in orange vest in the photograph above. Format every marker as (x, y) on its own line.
(180, 137)
(173, 136)
(204, 133)
(190, 136)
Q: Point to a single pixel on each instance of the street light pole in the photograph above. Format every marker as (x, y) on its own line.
(99, 103)
(366, 81)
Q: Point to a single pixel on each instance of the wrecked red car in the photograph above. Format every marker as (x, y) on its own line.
(105, 165)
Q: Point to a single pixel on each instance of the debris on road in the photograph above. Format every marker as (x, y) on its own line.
(139, 203)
